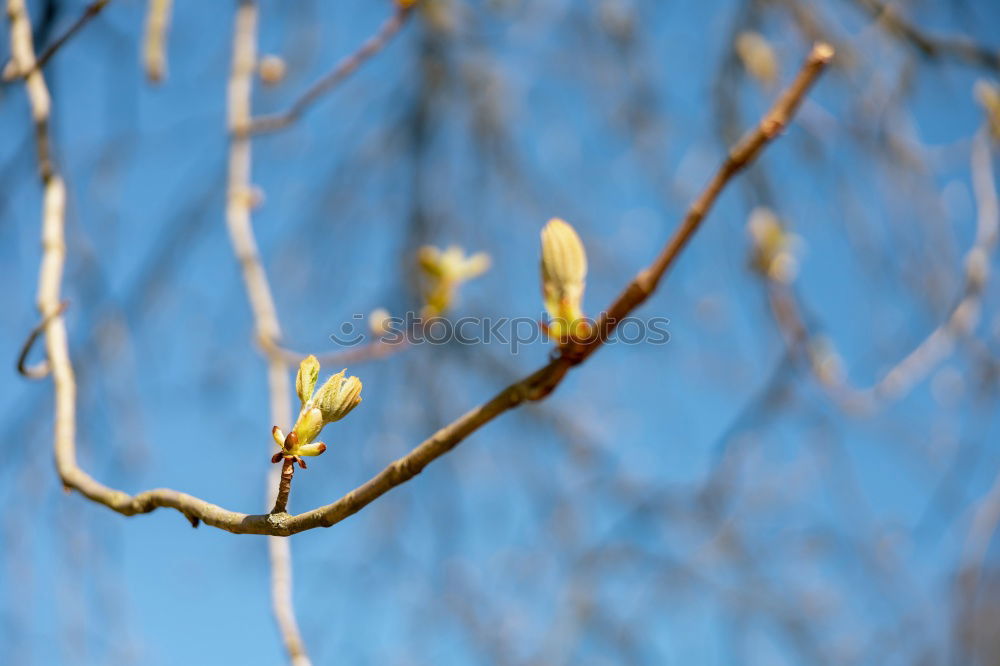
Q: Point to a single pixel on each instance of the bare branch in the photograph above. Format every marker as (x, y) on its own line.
(340, 71)
(533, 387)
(285, 487)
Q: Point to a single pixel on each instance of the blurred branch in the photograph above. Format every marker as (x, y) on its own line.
(265, 314)
(934, 348)
(93, 9)
(154, 46)
(340, 71)
(368, 352)
(956, 48)
(533, 387)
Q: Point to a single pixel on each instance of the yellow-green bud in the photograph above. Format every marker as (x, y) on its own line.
(309, 425)
(444, 271)
(305, 380)
(758, 57)
(313, 449)
(338, 396)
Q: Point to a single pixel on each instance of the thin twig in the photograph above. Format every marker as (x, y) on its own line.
(533, 387)
(93, 9)
(371, 351)
(41, 369)
(344, 68)
(285, 486)
(957, 48)
(939, 343)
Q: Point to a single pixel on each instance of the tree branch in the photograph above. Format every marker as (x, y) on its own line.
(533, 387)
(265, 314)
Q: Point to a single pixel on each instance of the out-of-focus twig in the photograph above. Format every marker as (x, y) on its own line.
(41, 369)
(340, 71)
(154, 46)
(90, 11)
(265, 314)
(533, 387)
(956, 48)
(376, 349)
(934, 348)
(985, 519)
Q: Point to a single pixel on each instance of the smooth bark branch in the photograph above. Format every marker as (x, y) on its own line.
(265, 314)
(533, 387)
(340, 71)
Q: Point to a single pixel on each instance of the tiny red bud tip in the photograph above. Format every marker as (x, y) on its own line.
(302, 463)
(291, 441)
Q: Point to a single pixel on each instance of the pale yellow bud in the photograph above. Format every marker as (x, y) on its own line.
(338, 396)
(758, 57)
(379, 321)
(564, 272)
(271, 69)
(305, 380)
(444, 271)
(429, 258)
(987, 93)
(773, 247)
